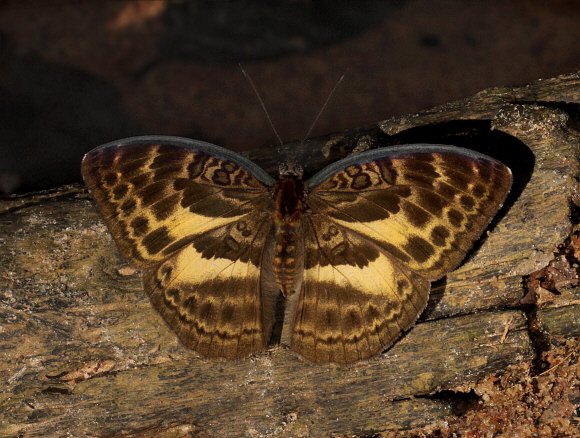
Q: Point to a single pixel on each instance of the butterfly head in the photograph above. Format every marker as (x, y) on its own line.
(290, 167)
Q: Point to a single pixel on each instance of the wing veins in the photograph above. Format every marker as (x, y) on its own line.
(392, 259)
(212, 219)
(216, 243)
(356, 220)
(226, 267)
(335, 268)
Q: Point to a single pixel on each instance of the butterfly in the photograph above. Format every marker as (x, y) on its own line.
(351, 251)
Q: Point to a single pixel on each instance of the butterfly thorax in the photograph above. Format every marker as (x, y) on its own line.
(287, 217)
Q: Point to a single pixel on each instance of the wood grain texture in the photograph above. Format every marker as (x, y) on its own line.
(83, 352)
(561, 321)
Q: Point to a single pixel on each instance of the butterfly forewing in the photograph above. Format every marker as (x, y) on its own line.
(195, 218)
(425, 205)
(152, 195)
(382, 225)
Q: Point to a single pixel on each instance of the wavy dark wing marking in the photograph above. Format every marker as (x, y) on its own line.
(154, 197)
(209, 291)
(356, 299)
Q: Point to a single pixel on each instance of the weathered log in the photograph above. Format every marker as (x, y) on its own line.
(82, 352)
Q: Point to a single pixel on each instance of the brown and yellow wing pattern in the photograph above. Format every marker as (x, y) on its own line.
(378, 228)
(355, 299)
(382, 226)
(209, 291)
(154, 197)
(195, 220)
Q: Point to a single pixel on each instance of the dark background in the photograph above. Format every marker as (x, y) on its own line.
(74, 75)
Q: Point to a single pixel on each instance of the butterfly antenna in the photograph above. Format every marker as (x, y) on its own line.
(261, 103)
(322, 109)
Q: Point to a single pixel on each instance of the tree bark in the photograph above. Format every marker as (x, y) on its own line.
(83, 353)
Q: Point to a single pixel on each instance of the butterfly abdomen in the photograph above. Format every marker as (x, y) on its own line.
(287, 262)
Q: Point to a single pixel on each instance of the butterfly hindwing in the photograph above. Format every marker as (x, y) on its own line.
(355, 299)
(382, 225)
(196, 219)
(209, 291)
